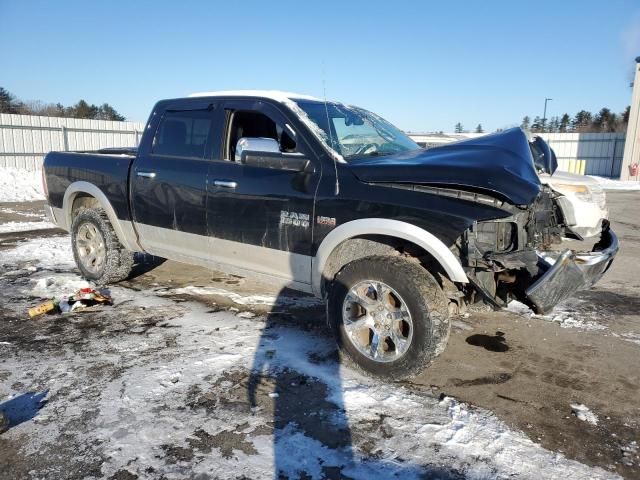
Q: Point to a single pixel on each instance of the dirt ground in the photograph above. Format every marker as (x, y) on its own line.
(526, 369)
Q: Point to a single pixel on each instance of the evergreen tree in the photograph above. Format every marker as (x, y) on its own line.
(582, 121)
(625, 115)
(605, 121)
(479, 128)
(459, 128)
(537, 125)
(564, 123)
(526, 123)
(107, 112)
(553, 125)
(83, 110)
(8, 103)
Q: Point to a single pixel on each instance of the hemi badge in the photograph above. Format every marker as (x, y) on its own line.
(331, 221)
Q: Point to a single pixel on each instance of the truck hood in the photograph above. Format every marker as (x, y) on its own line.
(500, 164)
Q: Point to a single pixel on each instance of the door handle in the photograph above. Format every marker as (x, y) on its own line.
(225, 183)
(146, 174)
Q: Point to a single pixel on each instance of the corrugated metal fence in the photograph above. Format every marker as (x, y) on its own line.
(586, 153)
(25, 139)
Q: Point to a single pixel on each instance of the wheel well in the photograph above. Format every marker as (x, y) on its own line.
(82, 201)
(370, 245)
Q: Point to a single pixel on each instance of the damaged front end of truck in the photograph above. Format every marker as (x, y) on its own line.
(520, 248)
(522, 257)
(528, 255)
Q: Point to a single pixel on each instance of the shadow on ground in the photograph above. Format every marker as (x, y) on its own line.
(23, 408)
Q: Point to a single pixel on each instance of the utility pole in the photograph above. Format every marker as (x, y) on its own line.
(544, 115)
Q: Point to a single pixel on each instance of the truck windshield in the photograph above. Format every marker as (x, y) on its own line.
(355, 132)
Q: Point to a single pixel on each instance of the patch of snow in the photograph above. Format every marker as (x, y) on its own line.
(318, 132)
(24, 226)
(520, 308)
(631, 337)
(55, 286)
(24, 214)
(240, 299)
(276, 95)
(583, 413)
(564, 318)
(18, 185)
(50, 252)
(611, 184)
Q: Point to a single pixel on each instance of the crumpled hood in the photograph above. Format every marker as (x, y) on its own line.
(500, 163)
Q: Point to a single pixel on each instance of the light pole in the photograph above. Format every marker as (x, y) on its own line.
(544, 115)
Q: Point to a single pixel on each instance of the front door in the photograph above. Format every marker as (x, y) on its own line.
(261, 218)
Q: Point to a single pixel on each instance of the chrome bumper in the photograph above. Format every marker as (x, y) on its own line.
(572, 272)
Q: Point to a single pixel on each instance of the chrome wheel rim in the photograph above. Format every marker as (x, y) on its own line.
(377, 321)
(90, 248)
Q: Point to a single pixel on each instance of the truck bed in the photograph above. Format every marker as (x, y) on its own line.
(107, 169)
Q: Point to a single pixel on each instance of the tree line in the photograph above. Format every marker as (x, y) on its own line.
(582, 122)
(10, 104)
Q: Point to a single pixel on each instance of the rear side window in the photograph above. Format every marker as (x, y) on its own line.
(183, 134)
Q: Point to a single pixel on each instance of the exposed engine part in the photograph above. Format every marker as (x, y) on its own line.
(545, 225)
(502, 254)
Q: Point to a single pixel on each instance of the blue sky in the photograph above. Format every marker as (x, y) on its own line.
(422, 65)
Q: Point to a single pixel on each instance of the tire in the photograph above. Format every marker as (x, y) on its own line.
(410, 289)
(92, 233)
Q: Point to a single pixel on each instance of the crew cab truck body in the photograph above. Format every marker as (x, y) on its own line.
(332, 200)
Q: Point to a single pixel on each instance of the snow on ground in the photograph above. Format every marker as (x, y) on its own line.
(18, 185)
(63, 284)
(24, 226)
(176, 389)
(49, 252)
(612, 184)
(629, 337)
(564, 314)
(244, 299)
(24, 214)
(583, 413)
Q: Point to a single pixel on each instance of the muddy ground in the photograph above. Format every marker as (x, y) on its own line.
(528, 370)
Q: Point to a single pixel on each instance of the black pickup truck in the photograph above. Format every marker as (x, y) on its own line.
(333, 200)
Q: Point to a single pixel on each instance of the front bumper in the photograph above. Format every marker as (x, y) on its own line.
(572, 272)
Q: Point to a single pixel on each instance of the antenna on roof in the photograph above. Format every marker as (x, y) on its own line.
(326, 110)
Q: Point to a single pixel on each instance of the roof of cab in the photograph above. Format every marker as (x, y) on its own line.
(271, 94)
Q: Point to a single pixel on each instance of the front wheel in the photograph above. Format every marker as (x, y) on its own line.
(390, 316)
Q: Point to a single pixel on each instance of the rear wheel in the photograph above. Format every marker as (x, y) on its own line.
(98, 253)
(390, 316)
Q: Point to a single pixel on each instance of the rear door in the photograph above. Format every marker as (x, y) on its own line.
(261, 218)
(169, 182)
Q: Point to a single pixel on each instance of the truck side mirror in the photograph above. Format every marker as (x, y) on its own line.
(265, 153)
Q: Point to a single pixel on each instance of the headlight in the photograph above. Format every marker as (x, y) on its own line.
(581, 192)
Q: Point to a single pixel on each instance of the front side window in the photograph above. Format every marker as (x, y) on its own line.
(252, 125)
(183, 134)
(354, 132)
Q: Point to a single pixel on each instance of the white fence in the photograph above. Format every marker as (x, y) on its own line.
(586, 153)
(26, 139)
